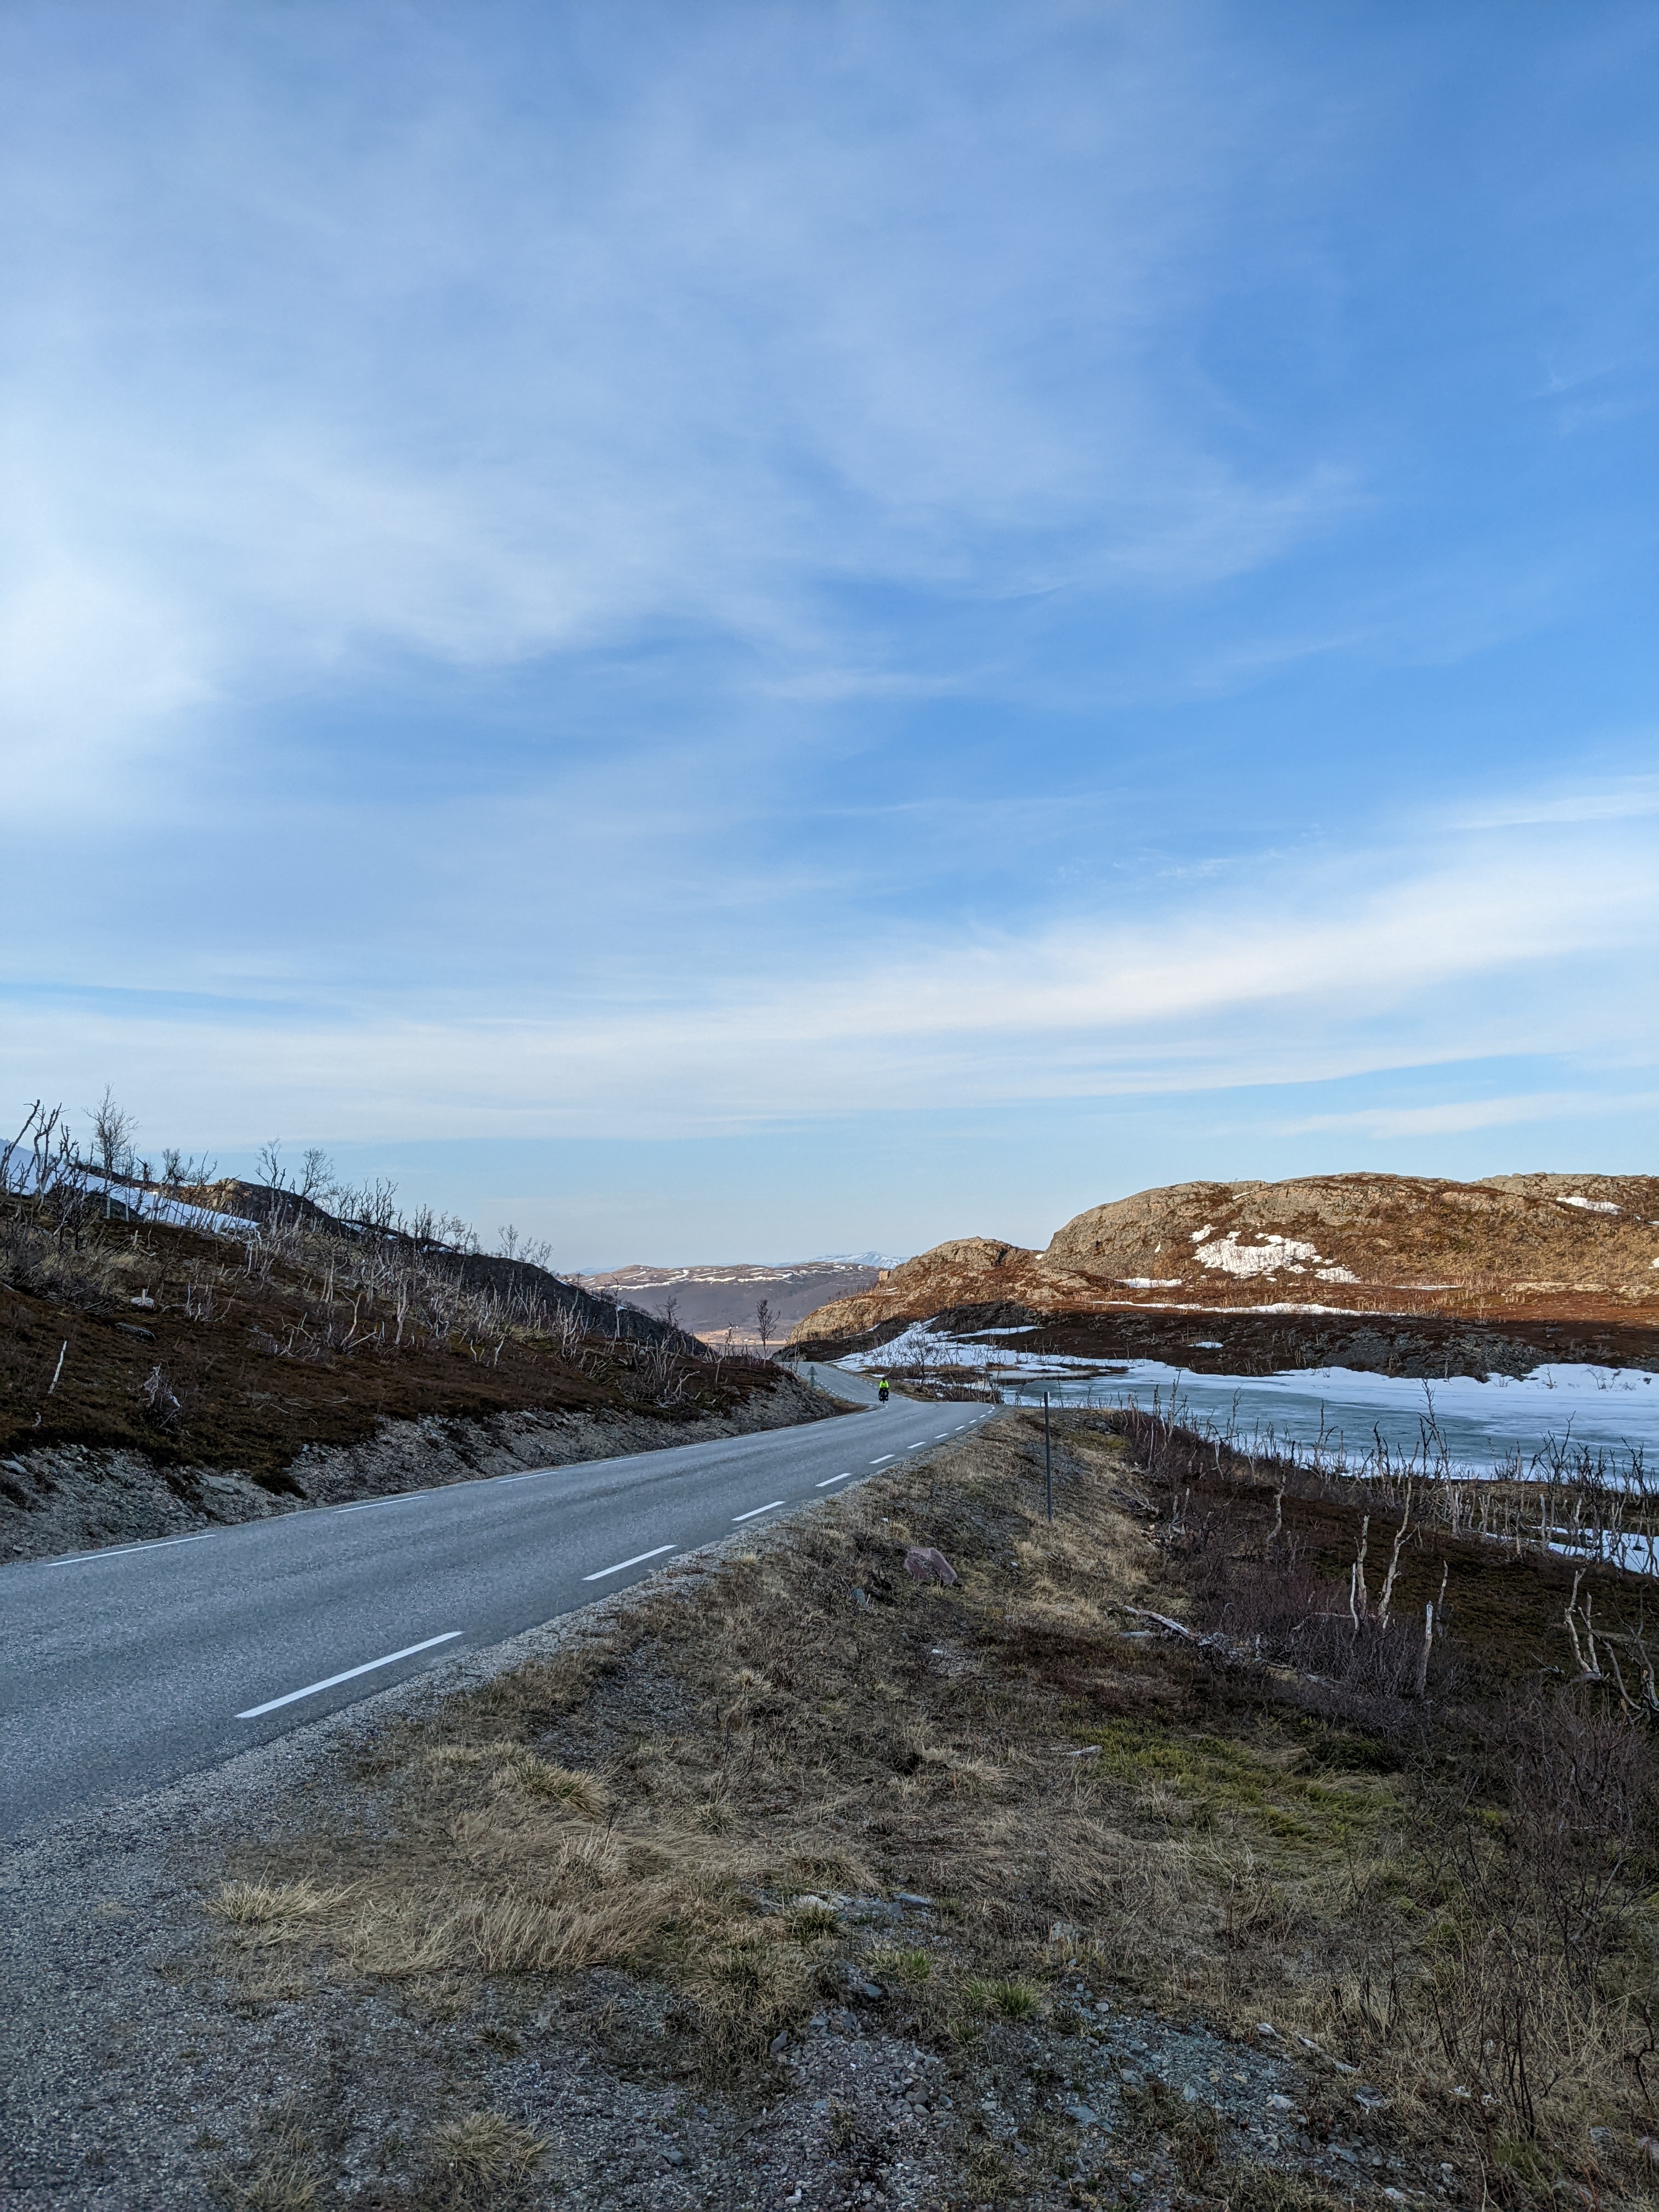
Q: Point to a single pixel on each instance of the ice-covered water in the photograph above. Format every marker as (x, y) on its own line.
(1472, 1422)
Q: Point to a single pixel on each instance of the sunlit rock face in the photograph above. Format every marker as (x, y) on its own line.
(1350, 1240)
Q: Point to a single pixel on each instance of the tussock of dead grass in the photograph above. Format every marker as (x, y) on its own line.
(278, 1909)
(482, 2160)
(581, 1793)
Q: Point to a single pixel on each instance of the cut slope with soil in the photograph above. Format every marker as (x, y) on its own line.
(155, 1377)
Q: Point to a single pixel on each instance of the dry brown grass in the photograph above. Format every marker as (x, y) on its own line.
(482, 2160)
(680, 1794)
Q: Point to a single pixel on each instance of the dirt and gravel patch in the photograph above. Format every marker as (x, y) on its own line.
(788, 1880)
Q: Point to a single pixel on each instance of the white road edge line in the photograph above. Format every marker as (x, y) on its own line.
(638, 1559)
(123, 1551)
(828, 1478)
(350, 1674)
(922, 1446)
(882, 1462)
(754, 1510)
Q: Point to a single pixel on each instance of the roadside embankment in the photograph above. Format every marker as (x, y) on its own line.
(78, 1497)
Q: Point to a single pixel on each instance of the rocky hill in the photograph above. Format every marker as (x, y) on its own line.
(1584, 1246)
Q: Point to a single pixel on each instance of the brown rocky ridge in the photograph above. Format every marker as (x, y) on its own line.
(1294, 1273)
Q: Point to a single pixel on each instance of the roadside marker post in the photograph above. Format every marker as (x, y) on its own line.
(1047, 1460)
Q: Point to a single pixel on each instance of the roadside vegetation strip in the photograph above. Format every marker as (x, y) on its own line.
(1267, 1823)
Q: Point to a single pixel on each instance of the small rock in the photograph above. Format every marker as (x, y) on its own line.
(873, 1992)
(779, 2044)
(1266, 2028)
(1082, 2116)
(675, 2157)
(909, 1897)
(1189, 2093)
(1281, 2104)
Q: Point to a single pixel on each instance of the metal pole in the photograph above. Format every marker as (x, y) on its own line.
(1047, 1460)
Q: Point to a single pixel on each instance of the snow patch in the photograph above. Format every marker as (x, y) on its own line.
(1247, 1260)
(1589, 1205)
(1150, 1282)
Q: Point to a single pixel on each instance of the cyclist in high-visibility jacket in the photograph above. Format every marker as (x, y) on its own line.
(881, 1389)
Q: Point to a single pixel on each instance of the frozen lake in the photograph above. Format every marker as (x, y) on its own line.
(1481, 1421)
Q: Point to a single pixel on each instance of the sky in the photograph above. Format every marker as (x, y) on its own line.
(737, 632)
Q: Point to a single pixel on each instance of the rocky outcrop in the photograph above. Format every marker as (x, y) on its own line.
(1353, 1240)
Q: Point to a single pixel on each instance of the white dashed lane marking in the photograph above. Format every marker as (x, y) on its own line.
(638, 1559)
(311, 1689)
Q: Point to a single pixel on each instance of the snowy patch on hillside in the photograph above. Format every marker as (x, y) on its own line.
(20, 1172)
(1267, 1258)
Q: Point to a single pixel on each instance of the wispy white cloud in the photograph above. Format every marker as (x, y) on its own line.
(479, 383)
(1453, 1117)
(1308, 973)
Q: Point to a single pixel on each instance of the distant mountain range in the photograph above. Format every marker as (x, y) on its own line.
(710, 1300)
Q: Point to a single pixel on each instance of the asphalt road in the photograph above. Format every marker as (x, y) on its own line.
(128, 1668)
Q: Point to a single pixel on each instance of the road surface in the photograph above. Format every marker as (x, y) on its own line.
(125, 1669)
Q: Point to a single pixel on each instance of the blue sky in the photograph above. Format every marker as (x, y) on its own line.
(736, 631)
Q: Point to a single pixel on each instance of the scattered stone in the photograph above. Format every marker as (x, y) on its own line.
(1082, 2116)
(925, 1564)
